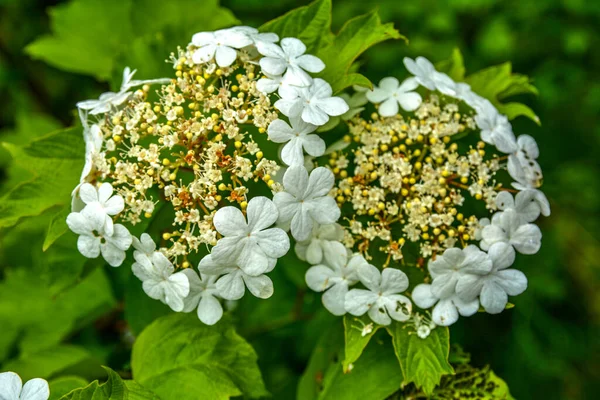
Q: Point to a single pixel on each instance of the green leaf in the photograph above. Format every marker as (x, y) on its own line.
(179, 357)
(355, 37)
(498, 83)
(50, 362)
(141, 310)
(423, 361)
(55, 160)
(500, 387)
(311, 24)
(64, 385)
(355, 341)
(375, 376)
(454, 66)
(113, 389)
(58, 226)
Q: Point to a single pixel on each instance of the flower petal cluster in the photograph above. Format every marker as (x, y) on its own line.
(12, 388)
(390, 93)
(221, 45)
(297, 139)
(523, 166)
(305, 200)
(321, 243)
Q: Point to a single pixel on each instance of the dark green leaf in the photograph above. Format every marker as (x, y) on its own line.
(358, 331)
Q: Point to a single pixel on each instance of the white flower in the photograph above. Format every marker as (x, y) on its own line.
(335, 277)
(101, 203)
(249, 245)
(296, 138)
(427, 76)
(271, 83)
(446, 311)
(320, 244)
(111, 99)
(12, 388)
(231, 285)
(528, 204)
(255, 36)
(306, 201)
(495, 128)
(158, 280)
(203, 297)
(451, 266)
(507, 226)
(289, 60)
(219, 45)
(522, 165)
(390, 93)
(382, 300)
(494, 288)
(93, 240)
(314, 103)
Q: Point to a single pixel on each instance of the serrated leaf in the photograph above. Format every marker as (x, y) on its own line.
(423, 361)
(179, 357)
(311, 24)
(55, 160)
(498, 83)
(112, 389)
(354, 339)
(58, 226)
(353, 39)
(64, 385)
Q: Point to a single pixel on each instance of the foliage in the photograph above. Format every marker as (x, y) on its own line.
(62, 317)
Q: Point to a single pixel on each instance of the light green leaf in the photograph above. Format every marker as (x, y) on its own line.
(454, 66)
(500, 391)
(375, 376)
(311, 24)
(355, 37)
(141, 310)
(113, 389)
(179, 357)
(423, 361)
(51, 361)
(135, 391)
(63, 385)
(355, 341)
(55, 160)
(498, 83)
(58, 226)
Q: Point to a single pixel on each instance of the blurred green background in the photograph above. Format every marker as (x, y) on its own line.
(548, 346)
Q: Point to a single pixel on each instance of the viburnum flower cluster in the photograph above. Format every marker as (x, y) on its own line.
(193, 169)
(420, 197)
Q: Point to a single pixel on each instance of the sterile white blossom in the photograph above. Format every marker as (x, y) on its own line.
(334, 277)
(320, 244)
(495, 128)
(446, 311)
(390, 93)
(157, 275)
(305, 200)
(289, 60)
(220, 45)
(382, 299)
(12, 388)
(297, 139)
(271, 83)
(233, 280)
(522, 164)
(203, 297)
(427, 76)
(494, 288)
(101, 203)
(314, 103)
(507, 226)
(257, 37)
(450, 267)
(93, 240)
(250, 245)
(528, 204)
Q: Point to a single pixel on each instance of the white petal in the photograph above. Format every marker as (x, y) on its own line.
(261, 213)
(502, 255)
(444, 313)
(469, 286)
(379, 315)
(279, 131)
(225, 56)
(114, 205)
(389, 107)
(295, 181)
(423, 297)
(314, 145)
(321, 181)
(293, 47)
(292, 153)
(229, 221)
(89, 246)
(529, 146)
(88, 193)
(104, 192)
(266, 85)
(333, 106)
(324, 210)
(359, 301)
(121, 237)
(270, 50)
(398, 307)
(377, 95)
(310, 63)
(210, 267)
(231, 286)
(370, 276)
(260, 286)
(252, 259)
(35, 389)
(290, 107)
(113, 255)
(273, 66)
(210, 310)
(274, 242)
(336, 255)
(314, 115)
(444, 286)
(493, 298)
(466, 309)
(204, 54)
(410, 101)
(514, 282)
(191, 301)
(203, 38)
(318, 278)
(527, 239)
(393, 281)
(11, 385)
(287, 206)
(78, 223)
(389, 84)
(302, 224)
